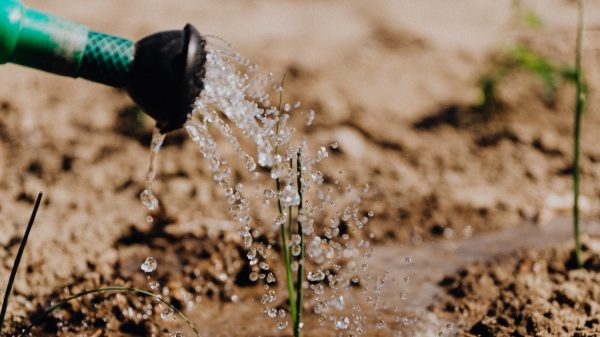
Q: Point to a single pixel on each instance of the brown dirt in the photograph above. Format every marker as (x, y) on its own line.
(392, 81)
(533, 293)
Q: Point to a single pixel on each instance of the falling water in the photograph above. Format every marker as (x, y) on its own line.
(147, 197)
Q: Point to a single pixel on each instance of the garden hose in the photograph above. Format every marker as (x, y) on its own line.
(163, 73)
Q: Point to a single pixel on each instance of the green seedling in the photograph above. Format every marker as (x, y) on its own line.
(521, 58)
(580, 105)
(294, 289)
(15, 267)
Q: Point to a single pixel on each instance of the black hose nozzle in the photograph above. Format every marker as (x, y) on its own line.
(167, 75)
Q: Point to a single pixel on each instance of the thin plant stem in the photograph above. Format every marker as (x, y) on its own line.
(579, 108)
(287, 261)
(288, 271)
(290, 214)
(15, 267)
(300, 275)
(61, 303)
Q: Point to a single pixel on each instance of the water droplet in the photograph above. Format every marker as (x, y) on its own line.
(282, 325)
(310, 118)
(154, 285)
(275, 173)
(334, 145)
(296, 250)
(381, 324)
(317, 288)
(296, 239)
(149, 219)
(269, 193)
(317, 177)
(149, 265)
(250, 164)
(289, 196)
(317, 275)
(337, 303)
(342, 323)
(247, 240)
(167, 312)
(280, 220)
(149, 199)
(322, 153)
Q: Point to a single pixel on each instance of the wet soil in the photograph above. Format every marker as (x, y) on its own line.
(529, 293)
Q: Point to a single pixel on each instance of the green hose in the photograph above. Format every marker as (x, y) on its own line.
(164, 79)
(38, 40)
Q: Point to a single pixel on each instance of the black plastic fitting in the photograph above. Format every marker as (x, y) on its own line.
(167, 75)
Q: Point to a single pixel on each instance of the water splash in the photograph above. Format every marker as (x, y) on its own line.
(235, 105)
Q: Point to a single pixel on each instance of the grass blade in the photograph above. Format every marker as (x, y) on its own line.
(15, 267)
(300, 275)
(108, 289)
(579, 108)
(287, 260)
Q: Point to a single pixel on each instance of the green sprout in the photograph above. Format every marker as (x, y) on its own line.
(580, 102)
(294, 289)
(521, 58)
(15, 267)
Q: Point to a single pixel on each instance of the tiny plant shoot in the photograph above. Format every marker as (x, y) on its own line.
(15, 267)
(294, 289)
(580, 98)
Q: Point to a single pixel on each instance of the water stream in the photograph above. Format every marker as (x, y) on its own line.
(147, 197)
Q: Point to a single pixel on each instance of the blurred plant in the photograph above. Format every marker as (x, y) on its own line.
(521, 58)
(580, 105)
(131, 121)
(527, 16)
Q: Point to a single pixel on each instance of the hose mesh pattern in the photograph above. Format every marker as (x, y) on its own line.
(107, 59)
